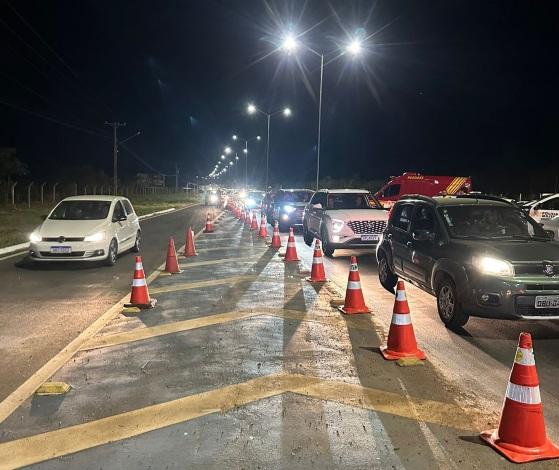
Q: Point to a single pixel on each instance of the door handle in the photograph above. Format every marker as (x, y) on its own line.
(409, 244)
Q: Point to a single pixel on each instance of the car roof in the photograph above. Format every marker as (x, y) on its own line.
(457, 201)
(346, 190)
(93, 198)
(291, 190)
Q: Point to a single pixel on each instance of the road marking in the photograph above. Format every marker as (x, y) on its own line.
(215, 261)
(233, 248)
(40, 447)
(209, 283)
(27, 388)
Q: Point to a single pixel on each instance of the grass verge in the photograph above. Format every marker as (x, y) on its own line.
(16, 223)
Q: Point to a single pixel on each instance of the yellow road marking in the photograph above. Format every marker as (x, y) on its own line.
(209, 283)
(53, 444)
(215, 261)
(232, 248)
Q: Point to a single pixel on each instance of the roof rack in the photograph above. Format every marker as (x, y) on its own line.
(486, 197)
(421, 197)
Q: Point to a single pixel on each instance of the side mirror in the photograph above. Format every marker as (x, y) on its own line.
(317, 206)
(423, 235)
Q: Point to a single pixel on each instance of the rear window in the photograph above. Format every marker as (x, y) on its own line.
(81, 210)
(351, 201)
(297, 196)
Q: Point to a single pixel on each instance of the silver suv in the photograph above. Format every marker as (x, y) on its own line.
(344, 218)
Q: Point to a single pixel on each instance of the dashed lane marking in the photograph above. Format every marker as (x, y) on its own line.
(216, 261)
(38, 448)
(233, 248)
(209, 283)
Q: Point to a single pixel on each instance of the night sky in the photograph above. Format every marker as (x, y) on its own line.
(444, 87)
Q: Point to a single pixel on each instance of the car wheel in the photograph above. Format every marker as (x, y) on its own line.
(387, 278)
(325, 239)
(136, 247)
(307, 237)
(449, 306)
(112, 253)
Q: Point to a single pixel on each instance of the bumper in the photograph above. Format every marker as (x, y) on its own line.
(80, 251)
(514, 299)
(352, 242)
(294, 218)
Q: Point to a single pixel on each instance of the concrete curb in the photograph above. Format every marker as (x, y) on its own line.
(8, 250)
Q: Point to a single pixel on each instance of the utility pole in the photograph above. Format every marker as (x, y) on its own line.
(176, 178)
(115, 126)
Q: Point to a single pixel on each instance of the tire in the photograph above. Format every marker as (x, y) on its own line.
(449, 306)
(307, 237)
(326, 248)
(386, 277)
(112, 253)
(136, 247)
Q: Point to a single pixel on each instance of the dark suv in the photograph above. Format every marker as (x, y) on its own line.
(479, 255)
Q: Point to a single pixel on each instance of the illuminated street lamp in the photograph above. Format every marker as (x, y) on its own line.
(236, 137)
(252, 109)
(228, 150)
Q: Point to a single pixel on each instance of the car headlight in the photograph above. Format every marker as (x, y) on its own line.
(251, 202)
(337, 225)
(213, 198)
(35, 237)
(96, 237)
(493, 266)
(288, 209)
(242, 194)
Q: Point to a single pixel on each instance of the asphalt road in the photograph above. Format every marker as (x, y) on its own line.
(479, 357)
(45, 306)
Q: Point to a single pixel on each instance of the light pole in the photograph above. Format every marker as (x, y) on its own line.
(251, 109)
(290, 45)
(236, 137)
(116, 143)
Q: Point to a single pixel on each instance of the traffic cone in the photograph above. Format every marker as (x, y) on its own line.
(263, 233)
(172, 262)
(291, 251)
(209, 224)
(139, 296)
(189, 247)
(521, 435)
(276, 240)
(401, 337)
(254, 223)
(354, 301)
(247, 218)
(317, 271)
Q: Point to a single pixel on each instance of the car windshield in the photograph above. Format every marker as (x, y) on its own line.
(490, 222)
(297, 196)
(352, 201)
(81, 210)
(255, 196)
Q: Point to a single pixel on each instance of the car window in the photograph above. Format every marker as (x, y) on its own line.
(349, 201)
(319, 198)
(424, 219)
(401, 216)
(118, 212)
(551, 205)
(81, 210)
(297, 196)
(128, 207)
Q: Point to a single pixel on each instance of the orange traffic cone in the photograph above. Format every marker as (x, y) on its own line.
(317, 271)
(276, 240)
(172, 262)
(209, 224)
(354, 301)
(139, 297)
(247, 218)
(521, 434)
(263, 233)
(189, 247)
(401, 337)
(291, 251)
(254, 223)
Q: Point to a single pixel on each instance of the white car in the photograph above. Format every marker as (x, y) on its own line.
(86, 228)
(551, 226)
(344, 218)
(544, 209)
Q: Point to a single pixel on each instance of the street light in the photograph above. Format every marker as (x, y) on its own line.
(245, 151)
(252, 109)
(354, 48)
(227, 149)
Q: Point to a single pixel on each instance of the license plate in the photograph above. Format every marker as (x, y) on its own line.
(547, 301)
(61, 249)
(369, 238)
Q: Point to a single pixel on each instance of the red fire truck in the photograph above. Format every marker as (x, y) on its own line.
(416, 183)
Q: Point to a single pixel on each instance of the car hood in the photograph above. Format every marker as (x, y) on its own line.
(515, 250)
(70, 228)
(348, 215)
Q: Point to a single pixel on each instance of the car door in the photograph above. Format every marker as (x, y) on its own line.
(120, 225)
(547, 209)
(315, 213)
(419, 261)
(132, 221)
(400, 236)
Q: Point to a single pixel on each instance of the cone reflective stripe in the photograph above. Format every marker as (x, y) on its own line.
(189, 246)
(354, 302)
(254, 223)
(276, 240)
(263, 233)
(139, 296)
(209, 224)
(521, 435)
(172, 262)
(317, 270)
(291, 251)
(401, 337)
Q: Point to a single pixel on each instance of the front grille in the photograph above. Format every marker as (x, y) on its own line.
(57, 239)
(542, 287)
(367, 226)
(524, 306)
(74, 254)
(534, 268)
